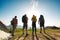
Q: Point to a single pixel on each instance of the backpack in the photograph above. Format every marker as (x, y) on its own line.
(23, 19)
(34, 19)
(41, 20)
(12, 22)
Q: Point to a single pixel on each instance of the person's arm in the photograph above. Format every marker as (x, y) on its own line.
(17, 21)
(27, 18)
(36, 19)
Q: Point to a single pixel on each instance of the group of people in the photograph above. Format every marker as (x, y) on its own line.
(41, 22)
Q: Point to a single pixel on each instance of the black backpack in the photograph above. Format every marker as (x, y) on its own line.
(23, 19)
(41, 19)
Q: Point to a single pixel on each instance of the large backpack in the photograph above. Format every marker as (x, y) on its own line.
(41, 20)
(23, 19)
(34, 19)
(12, 22)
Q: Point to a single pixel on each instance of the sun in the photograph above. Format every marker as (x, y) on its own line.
(32, 10)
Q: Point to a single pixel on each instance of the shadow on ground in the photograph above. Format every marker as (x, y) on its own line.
(48, 37)
(20, 36)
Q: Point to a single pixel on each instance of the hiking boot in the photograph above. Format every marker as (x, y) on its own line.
(26, 35)
(12, 35)
(40, 32)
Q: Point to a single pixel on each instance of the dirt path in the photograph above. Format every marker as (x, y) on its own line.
(43, 36)
(49, 35)
(56, 36)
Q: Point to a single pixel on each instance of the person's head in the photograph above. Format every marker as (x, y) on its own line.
(41, 16)
(15, 17)
(33, 15)
(25, 15)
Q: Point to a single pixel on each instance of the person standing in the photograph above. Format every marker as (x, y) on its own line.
(25, 23)
(14, 23)
(34, 24)
(41, 22)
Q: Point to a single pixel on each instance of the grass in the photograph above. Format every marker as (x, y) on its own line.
(18, 32)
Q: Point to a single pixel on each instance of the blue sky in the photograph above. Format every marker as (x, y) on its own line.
(49, 8)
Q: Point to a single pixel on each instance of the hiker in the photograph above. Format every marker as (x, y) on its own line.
(14, 23)
(34, 24)
(41, 23)
(25, 23)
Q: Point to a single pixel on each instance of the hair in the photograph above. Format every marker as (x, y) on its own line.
(15, 16)
(41, 16)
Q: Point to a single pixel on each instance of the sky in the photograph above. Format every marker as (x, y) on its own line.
(50, 9)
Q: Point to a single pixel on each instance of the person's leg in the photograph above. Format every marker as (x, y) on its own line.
(32, 31)
(26, 29)
(23, 28)
(13, 30)
(43, 29)
(35, 28)
(40, 29)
